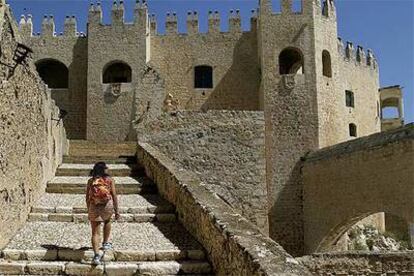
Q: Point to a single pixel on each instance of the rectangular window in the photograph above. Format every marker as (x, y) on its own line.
(203, 77)
(349, 96)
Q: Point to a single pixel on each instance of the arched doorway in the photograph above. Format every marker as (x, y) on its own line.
(54, 73)
(117, 72)
(291, 61)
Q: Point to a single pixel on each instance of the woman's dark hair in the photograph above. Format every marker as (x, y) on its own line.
(99, 170)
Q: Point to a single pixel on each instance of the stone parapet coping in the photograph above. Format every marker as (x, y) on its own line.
(400, 263)
(371, 142)
(233, 244)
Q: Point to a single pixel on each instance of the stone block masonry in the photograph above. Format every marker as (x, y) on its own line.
(225, 149)
(32, 143)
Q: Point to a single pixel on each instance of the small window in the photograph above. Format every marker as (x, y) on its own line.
(349, 95)
(203, 77)
(326, 63)
(117, 72)
(352, 130)
(378, 109)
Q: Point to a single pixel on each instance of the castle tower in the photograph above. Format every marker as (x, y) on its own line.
(116, 56)
(304, 101)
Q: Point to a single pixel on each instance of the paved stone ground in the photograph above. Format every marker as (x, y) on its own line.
(147, 240)
(134, 236)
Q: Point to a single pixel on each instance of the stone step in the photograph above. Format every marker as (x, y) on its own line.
(94, 159)
(71, 169)
(110, 268)
(83, 217)
(50, 203)
(69, 241)
(88, 148)
(77, 185)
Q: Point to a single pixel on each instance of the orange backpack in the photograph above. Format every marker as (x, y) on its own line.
(100, 190)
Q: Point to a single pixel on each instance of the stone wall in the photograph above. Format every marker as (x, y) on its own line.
(233, 56)
(234, 245)
(399, 263)
(32, 144)
(350, 181)
(225, 149)
(71, 50)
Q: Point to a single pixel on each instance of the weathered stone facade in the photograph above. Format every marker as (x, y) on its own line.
(32, 143)
(226, 150)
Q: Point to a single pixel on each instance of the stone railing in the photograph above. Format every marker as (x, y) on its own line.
(234, 245)
(390, 263)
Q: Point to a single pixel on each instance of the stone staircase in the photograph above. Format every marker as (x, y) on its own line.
(148, 239)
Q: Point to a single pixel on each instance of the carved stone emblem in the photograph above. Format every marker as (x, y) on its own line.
(289, 81)
(115, 89)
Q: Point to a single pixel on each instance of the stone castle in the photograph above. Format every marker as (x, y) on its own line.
(265, 144)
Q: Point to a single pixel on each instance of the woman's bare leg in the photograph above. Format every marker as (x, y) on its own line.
(95, 236)
(107, 230)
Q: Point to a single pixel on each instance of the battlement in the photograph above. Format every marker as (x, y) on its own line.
(118, 13)
(192, 22)
(358, 55)
(326, 8)
(48, 27)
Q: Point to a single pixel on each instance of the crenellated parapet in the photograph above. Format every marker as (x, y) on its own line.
(118, 13)
(328, 8)
(171, 24)
(358, 55)
(26, 25)
(48, 27)
(192, 23)
(213, 22)
(235, 21)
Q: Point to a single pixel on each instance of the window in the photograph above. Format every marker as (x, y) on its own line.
(54, 73)
(352, 130)
(349, 95)
(390, 108)
(326, 63)
(117, 72)
(203, 77)
(291, 62)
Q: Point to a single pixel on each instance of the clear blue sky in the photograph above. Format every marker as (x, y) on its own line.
(386, 26)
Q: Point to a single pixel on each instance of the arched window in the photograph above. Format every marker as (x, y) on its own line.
(390, 108)
(352, 130)
(117, 72)
(326, 63)
(54, 73)
(349, 96)
(203, 76)
(291, 62)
